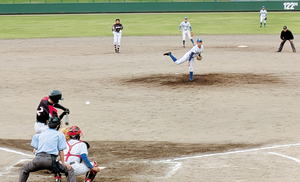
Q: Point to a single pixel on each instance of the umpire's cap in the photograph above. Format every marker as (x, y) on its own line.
(284, 27)
(53, 122)
(199, 40)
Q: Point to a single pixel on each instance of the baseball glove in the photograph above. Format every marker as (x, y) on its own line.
(192, 34)
(199, 58)
(65, 130)
(266, 18)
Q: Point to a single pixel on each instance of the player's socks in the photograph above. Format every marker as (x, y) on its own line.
(260, 24)
(264, 25)
(192, 41)
(191, 76)
(174, 59)
(183, 43)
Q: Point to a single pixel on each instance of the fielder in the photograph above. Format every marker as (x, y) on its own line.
(189, 56)
(117, 31)
(76, 155)
(46, 110)
(186, 27)
(263, 16)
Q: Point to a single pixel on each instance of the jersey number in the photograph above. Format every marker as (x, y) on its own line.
(288, 5)
(40, 111)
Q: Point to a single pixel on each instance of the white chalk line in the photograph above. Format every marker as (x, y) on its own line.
(235, 152)
(285, 156)
(8, 169)
(16, 152)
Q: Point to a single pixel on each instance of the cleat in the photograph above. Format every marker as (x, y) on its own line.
(183, 46)
(167, 54)
(116, 50)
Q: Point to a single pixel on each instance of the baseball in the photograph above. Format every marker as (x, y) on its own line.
(87, 103)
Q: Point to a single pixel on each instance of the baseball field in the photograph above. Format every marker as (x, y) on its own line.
(237, 121)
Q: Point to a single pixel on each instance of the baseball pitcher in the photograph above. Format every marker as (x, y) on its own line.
(189, 56)
(117, 31)
(186, 27)
(263, 16)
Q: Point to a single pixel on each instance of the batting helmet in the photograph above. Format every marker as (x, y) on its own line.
(54, 122)
(55, 96)
(74, 132)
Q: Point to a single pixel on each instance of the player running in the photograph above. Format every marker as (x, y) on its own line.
(263, 16)
(46, 110)
(189, 56)
(186, 27)
(117, 31)
(76, 155)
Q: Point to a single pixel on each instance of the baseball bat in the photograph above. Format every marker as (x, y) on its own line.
(67, 120)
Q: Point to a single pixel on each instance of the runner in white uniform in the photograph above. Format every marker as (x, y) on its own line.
(76, 155)
(186, 27)
(263, 16)
(189, 56)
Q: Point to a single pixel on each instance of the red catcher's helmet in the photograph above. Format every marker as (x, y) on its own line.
(75, 132)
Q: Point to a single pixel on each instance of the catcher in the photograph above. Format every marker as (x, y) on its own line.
(76, 155)
(189, 56)
(186, 27)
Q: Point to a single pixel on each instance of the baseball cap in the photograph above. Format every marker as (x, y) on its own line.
(199, 40)
(284, 27)
(185, 18)
(263, 6)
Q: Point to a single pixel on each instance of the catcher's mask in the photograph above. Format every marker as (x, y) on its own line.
(55, 96)
(54, 122)
(75, 132)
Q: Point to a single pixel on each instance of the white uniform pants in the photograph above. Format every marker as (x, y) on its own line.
(262, 18)
(40, 127)
(80, 168)
(184, 59)
(186, 32)
(117, 38)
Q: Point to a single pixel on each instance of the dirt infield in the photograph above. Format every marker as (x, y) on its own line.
(146, 121)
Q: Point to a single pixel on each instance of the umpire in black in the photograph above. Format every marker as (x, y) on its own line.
(47, 146)
(286, 35)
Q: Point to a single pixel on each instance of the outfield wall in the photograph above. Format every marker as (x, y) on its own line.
(140, 7)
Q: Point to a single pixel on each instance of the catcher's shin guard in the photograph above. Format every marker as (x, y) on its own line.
(90, 175)
(57, 177)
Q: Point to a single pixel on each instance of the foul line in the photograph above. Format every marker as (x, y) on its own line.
(285, 156)
(16, 152)
(235, 152)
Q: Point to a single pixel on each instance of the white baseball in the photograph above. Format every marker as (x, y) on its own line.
(87, 103)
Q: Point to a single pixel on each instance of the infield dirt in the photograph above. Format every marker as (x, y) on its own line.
(144, 110)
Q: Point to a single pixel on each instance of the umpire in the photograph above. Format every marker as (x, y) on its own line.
(286, 35)
(47, 146)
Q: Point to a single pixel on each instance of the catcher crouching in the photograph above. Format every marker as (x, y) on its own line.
(76, 155)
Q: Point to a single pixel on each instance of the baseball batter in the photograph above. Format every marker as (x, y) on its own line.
(117, 31)
(189, 56)
(186, 27)
(76, 155)
(46, 110)
(263, 16)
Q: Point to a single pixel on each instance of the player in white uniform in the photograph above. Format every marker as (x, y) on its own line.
(186, 27)
(117, 31)
(189, 56)
(76, 155)
(263, 16)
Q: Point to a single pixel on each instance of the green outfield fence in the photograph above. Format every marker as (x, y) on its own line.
(139, 6)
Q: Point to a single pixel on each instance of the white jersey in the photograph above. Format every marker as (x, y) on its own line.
(263, 13)
(196, 50)
(185, 26)
(77, 149)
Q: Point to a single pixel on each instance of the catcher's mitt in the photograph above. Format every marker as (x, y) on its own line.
(266, 18)
(192, 34)
(199, 58)
(65, 130)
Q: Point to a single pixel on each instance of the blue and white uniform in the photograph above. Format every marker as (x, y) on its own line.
(186, 28)
(263, 16)
(189, 56)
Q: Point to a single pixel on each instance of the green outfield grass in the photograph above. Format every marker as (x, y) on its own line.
(42, 26)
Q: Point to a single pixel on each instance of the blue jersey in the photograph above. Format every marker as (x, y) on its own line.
(50, 141)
